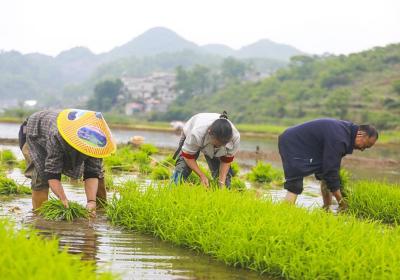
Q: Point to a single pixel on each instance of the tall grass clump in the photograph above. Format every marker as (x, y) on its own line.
(374, 200)
(54, 210)
(7, 157)
(235, 168)
(276, 239)
(160, 173)
(265, 173)
(128, 159)
(237, 184)
(25, 255)
(9, 186)
(149, 149)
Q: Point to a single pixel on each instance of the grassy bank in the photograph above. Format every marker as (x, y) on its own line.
(275, 239)
(25, 255)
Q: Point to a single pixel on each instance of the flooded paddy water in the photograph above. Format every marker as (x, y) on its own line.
(138, 256)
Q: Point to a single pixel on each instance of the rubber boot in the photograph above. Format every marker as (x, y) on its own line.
(38, 197)
(101, 195)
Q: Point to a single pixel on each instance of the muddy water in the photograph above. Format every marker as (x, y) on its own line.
(131, 254)
(380, 162)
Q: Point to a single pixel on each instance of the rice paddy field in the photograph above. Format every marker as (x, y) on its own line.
(153, 229)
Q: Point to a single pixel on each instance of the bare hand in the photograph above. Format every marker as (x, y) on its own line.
(65, 202)
(204, 181)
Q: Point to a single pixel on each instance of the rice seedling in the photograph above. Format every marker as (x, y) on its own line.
(374, 200)
(235, 168)
(149, 149)
(168, 162)
(7, 157)
(26, 255)
(276, 239)
(237, 184)
(160, 173)
(265, 173)
(8, 187)
(54, 210)
(22, 164)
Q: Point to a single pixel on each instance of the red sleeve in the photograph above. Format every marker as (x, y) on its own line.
(227, 159)
(188, 156)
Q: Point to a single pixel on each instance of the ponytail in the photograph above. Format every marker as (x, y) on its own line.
(224, 115)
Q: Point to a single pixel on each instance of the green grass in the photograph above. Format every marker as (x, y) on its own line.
(160, 173)
(128, 159)
(374, 200)
(7, 157)
(25, 255)
(235, 168)
(261, 128)
(149, 149)
(54, 210)
(237, 184)
(265, 173)
(9, 186)
(276, 239)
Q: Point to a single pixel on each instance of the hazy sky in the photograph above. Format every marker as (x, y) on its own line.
(314, 26)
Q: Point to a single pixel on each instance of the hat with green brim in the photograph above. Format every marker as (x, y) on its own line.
(87, 132)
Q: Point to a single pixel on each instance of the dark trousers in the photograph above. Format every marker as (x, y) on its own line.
(182, 170)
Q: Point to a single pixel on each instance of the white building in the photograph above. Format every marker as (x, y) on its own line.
(156, 91)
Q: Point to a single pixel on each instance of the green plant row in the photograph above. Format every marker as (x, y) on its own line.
(276, 239)
(54, 210)
(25, 255)
(374, 200)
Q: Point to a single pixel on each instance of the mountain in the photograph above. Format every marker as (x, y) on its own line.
(362, 87)
(152, 42)
(37, 76)
(219, 49)
(268, 49)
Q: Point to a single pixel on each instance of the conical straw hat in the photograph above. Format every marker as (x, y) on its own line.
(87, 132)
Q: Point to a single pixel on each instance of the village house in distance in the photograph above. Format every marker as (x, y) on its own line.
(152, 93)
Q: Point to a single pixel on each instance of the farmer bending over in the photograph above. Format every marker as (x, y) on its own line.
(217, 138)
(317, 147)
(71, 142)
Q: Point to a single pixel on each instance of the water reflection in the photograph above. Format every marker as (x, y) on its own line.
(133, 255)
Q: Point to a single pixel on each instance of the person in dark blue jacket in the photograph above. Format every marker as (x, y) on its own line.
(317, 147)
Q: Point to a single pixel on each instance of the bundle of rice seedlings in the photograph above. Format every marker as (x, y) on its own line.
(265, 173)
(54, 210)
(237, 184)
(160, 173)
(8, 186)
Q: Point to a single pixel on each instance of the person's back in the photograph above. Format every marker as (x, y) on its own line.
(308, 140)
(317, 147)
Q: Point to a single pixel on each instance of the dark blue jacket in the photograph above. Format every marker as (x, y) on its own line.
(317, 147)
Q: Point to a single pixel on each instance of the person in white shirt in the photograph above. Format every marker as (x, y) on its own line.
(217, 138)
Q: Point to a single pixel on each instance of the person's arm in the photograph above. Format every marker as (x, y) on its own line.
(223, 172)
(91, 174)
(91, 185)
(190, 148)
(53, 168)
(191, 162)
(57, 188)
(332, 157)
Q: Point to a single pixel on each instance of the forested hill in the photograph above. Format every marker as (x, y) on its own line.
(362, 87)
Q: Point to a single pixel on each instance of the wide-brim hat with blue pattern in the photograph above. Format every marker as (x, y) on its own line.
(87, 132)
